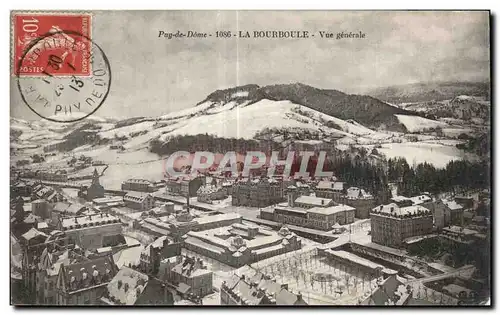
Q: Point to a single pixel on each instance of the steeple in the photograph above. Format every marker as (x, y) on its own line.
(95, 177)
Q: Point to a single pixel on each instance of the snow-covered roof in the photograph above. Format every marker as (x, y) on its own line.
(218, 217)
(32, 233)
(331, 210)
(90, 220)
(358, 193)
(420, 199)
(354, 258)
(127, 286)
(314, 201)
(393, 208)
(260, 241)
(453, 205)
(337, 186)
(136, 197)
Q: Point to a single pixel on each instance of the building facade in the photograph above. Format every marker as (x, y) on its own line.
(139, 201)
(192, 272)
(91, 231)
(134, 184)
(391, 224)
(259, 192)
(85, 283)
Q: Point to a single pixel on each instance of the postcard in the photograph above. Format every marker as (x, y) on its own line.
(288, 158)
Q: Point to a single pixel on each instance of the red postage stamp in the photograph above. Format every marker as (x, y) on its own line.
(44, 39)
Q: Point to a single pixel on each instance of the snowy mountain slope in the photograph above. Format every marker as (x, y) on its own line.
(416, 123)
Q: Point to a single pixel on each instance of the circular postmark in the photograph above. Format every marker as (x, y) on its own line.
(71, 76)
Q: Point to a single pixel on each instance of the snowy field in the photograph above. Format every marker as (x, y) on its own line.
(419, 152)
(416, 123)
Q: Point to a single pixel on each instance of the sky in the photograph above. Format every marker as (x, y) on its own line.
(153, 76)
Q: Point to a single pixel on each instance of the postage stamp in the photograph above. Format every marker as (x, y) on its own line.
(29, 27)
(62, 75)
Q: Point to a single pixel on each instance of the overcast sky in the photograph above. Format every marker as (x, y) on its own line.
(153, 76)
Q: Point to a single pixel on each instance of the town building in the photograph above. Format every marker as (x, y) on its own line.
(257, 192)
(48, 267)
(139, 201)
(108, 202)
(456, 234)
(390, 291)
(84, 283)
(135, 184)
(21, 189)
(311, 212)
(189, 274)
(184, 186)
(391, 225)
(33, 244)
(91, 231)
(161, 248)
(329, 189)
(237, 246)
(256, 288)
(131, 287)
(180, 223)
(361, 200)
(209, 193)
(466, 200)
(308, 202)
(40, 208)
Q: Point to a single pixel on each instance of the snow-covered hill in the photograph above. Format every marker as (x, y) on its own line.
(244, 112)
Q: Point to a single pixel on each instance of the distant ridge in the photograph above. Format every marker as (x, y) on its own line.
(366, 110)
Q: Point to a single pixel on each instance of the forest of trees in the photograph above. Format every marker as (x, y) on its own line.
(354, 166)
(206, 142)
(456, 176)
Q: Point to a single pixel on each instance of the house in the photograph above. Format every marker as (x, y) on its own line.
(84, 283)
(184, 186)
(390, 291)
(329, 189)
(255, 288)
(131, 287)
(139, 201)
(161, 248)
(208, 193)
(40, 208)
(361, 200)
(190, 274)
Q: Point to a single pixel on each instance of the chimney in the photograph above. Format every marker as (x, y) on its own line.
(119, 284)
(322, 202)
(125, 287)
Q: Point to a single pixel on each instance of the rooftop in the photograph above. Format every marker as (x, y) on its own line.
(337, 186)
(394, 209)
(330, 210)
(89, 220)
(314, 201)
(127, 286)
(135, 196)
